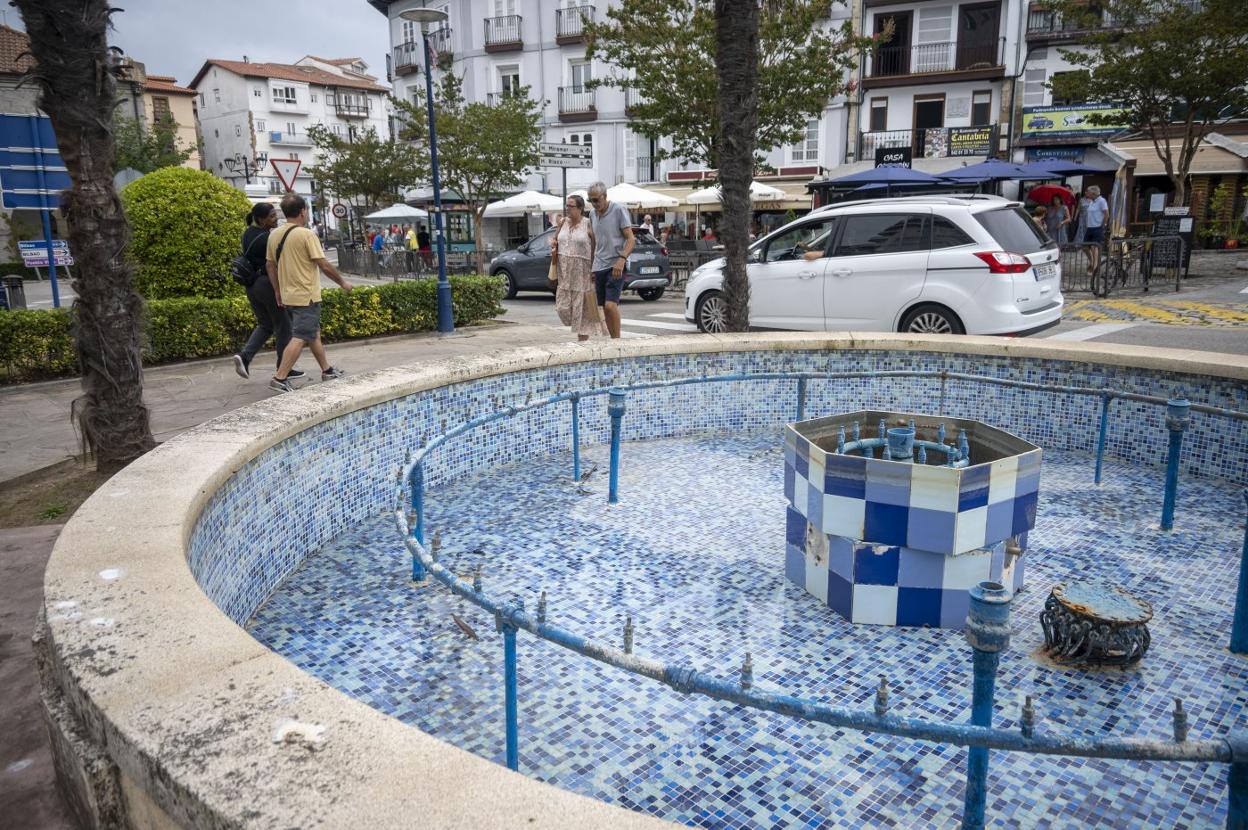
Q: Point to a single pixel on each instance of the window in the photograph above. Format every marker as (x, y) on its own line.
(808, 241)
(630, 149)
(337, 129)
(807, 149)
(509, 80)
(945, 234)
(257, 94)
(216, 96)
(312, 97)
(409, 32)
(1064, 102)
(260, 125)
(879, 114)
(284, 95)
(981, 108)
(1013, 230)
(881, 233)
(581, 73)
(294, 156)
(502, 7)
(201, 100)
(290, 128)
(160, 110)
(238, 129)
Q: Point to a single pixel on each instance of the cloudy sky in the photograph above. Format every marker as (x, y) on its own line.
(174, 37)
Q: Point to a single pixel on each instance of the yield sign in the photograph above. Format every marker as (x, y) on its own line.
(286, 170)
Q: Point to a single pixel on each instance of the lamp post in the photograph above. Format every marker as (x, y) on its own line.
(249, 166)
(446, 319)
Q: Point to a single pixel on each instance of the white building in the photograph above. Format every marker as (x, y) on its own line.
(264, 110)
(499, 45)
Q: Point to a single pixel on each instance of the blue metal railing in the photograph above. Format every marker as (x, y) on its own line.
(987, 628)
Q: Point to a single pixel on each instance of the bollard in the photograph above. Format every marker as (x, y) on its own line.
(615, 408)
(1239, 627)
(988, 632)
(576, 437)
(418, 526)
(1106, 398)
(801, 399)
(1178, 416)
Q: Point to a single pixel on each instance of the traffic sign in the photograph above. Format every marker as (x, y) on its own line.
(35, 252)
(286, 170)
(26, 152)
(340, 210)
(565, 155)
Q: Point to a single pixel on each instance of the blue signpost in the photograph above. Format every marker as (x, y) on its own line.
(32, 175)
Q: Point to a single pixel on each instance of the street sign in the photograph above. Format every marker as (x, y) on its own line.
(21, 160)
(892, 156)
(565, 155)
(339, 210)
(286, 170)
(35, 252)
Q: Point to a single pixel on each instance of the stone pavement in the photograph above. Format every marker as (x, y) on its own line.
(39, 432)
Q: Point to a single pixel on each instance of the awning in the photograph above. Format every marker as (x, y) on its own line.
(1222, 157)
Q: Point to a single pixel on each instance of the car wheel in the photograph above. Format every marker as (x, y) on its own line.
(932, 319)
(509, 283)
(711, 313)
(650, 294)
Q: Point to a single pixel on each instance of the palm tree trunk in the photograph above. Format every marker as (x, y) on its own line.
(68, 39)
(736, 65)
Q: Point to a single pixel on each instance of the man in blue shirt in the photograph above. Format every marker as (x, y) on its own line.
(613, 242)
(1098, 217)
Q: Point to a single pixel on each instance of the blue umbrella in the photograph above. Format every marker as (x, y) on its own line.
(988, 171)
(887, 176)
(1061, 168)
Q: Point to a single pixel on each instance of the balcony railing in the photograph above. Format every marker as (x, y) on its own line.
(1046, 24)
(577, 104)
(953, 144)
(350, 108)
(503, 33)
(301, 139)
(407, 58)
(570, 23)
(632, 97)
(647, 169)
(440, 42)
(496, 98)
(930, 58)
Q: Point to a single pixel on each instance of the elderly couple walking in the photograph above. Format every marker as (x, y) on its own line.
(589, 254)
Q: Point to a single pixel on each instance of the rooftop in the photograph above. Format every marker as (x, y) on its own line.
(15, 57)
(286, 72)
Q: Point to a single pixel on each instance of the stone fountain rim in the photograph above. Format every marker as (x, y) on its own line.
(188, 705)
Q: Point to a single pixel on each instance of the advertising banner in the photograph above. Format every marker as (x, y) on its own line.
(1069, 121)
(970, 141)
(892, 156)
(935, 142)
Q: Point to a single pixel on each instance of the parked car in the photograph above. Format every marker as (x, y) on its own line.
(923, 264)
(1040, 123)
(524, 268)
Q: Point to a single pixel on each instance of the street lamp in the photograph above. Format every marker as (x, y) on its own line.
(446, 319)
(250, 166)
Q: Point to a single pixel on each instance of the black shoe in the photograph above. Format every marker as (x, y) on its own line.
(294, 373)
(332, 373)
(240, 366)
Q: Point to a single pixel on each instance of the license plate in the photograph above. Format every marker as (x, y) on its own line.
(648, 269)
(1046, 271)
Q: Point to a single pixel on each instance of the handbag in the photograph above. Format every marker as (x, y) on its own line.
(552, 273)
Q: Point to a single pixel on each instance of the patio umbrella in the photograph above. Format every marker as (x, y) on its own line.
(1043, 194)
(530, 201)
(759, 192)
(889, 177)
(638, 198)
(991, 170)
(399, 212)
(1072, 168)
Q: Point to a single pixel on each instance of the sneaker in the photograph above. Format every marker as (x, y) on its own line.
(281, 385)
(240, 366)
(332, 373)
(294, 373)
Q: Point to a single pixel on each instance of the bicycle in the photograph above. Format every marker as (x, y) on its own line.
(1113, 270)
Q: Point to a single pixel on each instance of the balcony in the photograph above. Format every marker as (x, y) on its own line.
(931, 142)
(406, 58)
(647, 169)
(496, 98)
(577, 104)
(351, 108)
(290, 139)
(632, 97)
(934, 63)
(1047, 26)
(502, 34)
(570, 24)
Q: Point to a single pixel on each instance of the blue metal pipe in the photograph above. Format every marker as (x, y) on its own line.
(1106, 398)
(1237, 796)
(1178, 416)
(417, 488)
(801, 398)
(615, 408)
(988, 632)
(576, 439)
(509, 692)
(1239, 628)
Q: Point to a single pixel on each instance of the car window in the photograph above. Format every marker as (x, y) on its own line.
(945, 234)
(1014, 230)
(540, 245)
(882, 233)
(644, 237)
(796, 243)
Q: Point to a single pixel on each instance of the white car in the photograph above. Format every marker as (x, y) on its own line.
(923, 264)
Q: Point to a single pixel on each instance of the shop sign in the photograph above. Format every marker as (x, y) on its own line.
(1069, 121)
(892, 156)
(1074, 154)
(970, 141)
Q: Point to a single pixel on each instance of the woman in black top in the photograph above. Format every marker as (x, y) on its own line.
(270, 319)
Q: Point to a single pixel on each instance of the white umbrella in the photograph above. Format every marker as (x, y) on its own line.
(638, 198)
(759, 192)
(530, 201)
(397, 211)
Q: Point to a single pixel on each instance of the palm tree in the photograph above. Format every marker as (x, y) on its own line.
(68, 40)
(736, 65)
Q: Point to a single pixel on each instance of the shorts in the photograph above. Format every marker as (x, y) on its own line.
(305, 321)
(1092, 235)
(607, 288)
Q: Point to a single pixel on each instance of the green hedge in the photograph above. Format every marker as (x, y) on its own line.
(37, 345)
(19, 269)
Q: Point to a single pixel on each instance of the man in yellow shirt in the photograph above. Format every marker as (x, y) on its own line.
(295, 262)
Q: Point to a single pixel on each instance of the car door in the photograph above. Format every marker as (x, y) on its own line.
(787, 277)
(878, 265)
(534, 261)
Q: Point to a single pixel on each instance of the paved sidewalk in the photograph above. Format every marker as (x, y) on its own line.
(38, 430)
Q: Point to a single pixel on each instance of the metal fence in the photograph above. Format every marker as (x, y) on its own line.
(987, 623)
(400, 264)
(1132, 262)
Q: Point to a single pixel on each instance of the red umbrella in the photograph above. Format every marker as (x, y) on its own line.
(1043, 195)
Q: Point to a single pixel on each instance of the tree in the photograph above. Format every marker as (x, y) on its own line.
(1178, 68)
(736, 67)
(365, 170)
(186, 228)
(665, 55)
(144, 148)
(77, 89)
(482, 148)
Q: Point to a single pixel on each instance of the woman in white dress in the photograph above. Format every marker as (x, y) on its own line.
(573, 251)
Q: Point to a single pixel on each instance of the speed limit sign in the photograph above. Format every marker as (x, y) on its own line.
(340, 210)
